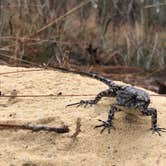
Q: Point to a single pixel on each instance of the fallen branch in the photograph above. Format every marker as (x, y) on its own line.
(63, 129)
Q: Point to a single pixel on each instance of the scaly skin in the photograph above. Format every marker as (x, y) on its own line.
(128, 97)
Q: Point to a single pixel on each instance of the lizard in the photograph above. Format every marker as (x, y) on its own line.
(127, 98)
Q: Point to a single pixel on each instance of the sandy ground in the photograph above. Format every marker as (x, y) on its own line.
(132, 143)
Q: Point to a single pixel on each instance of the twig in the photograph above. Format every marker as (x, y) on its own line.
(47, 95)
(25, 39)
(75, 134)
(31, 63)
(152, 52)
(16, 6)
(78, 128)
(155, 5)
(63, 16)
(63, 129)
(22, 71)
(36, 41)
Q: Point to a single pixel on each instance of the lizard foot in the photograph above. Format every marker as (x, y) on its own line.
(105, 124)
(158, 130)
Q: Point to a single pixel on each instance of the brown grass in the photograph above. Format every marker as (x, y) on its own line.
(38, 31)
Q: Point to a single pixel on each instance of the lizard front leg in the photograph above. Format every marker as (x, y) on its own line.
(108, 123)
(153, 113)
(105, 93)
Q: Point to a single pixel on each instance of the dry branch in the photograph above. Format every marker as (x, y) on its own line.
(63, 129)
(63, 16)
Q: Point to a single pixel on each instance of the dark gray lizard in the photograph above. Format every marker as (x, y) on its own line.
(127, 98)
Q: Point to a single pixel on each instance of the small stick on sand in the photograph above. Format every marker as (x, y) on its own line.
(63, 129)
(78, 128)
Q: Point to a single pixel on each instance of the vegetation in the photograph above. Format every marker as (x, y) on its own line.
(104, 32)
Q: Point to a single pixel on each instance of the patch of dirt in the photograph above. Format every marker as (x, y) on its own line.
(131, 142)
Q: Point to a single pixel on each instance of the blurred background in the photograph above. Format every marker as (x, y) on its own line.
(119, 39)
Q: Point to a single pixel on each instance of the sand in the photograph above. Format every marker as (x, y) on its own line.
(132, 143)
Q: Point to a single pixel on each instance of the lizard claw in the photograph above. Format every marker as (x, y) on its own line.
(158, 130)
(82, 102)
(105, 124)
(85, 103)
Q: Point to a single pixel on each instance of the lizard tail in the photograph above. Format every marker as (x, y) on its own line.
(107, 81)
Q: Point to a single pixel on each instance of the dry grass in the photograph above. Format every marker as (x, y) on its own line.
(38, 32)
